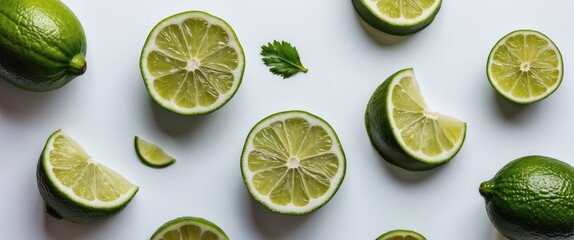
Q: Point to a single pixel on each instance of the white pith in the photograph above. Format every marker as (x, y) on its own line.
(192, 64)
(313, 202)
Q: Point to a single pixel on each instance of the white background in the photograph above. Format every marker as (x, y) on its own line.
(105, 108)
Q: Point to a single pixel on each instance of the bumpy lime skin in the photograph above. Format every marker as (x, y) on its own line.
(42, 44)
(390, 28)
(532, 198)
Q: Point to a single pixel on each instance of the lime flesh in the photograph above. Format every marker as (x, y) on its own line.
(192, 63)
(75, 187)
(405, 131)
(525, 66)
(292, 162)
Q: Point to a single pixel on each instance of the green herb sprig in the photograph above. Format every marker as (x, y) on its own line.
(282, 59)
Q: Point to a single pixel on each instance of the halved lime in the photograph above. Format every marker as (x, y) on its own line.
(75, 187)
(189, 228)
(292, 162)
(401, 234)
(405, 131)
(398, 17)
(525, 66)
(152, 154)
(192, 63)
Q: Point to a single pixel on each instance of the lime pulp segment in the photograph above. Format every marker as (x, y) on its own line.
(151, 154)
(525, 66)
(192, 63)
(292, 162)
(189, 228)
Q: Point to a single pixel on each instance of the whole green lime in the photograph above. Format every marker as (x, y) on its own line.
(42, 44)
(532, 198)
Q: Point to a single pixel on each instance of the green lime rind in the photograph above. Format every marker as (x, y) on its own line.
(508, 96)
(531, 198)
(60, 204)
(374, 19)
(42, 44)
(385, 140)
(334, 184)
(147, 78)
(151, 154)
(208, 229)
(401, 234)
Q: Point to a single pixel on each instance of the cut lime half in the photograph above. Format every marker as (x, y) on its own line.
(189, 228)
(525, 66)
(75, 187)
(192, 63)
(151, 154)
(398, 17)
(400, 234)
(292, 162)
(405, 131)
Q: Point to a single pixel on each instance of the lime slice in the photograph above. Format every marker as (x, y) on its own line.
(192, 63)
(525, 66)
(75, 187)
(292, 162)
(398, 17)
(151, 154)
(405, 131)
(400, 234)
(189, 228)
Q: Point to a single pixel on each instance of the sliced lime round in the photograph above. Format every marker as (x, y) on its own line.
(189, 228)
(525, 66)
(192, 63)
(400, 234)
(405, 131)
(76, 188)
(398, 17)
(292, 162)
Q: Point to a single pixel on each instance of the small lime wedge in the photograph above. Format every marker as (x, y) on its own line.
(400, 234)
(151, 154)
(189, 228)
(525, 66)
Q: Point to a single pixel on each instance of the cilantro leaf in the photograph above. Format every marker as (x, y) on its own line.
(282, 59)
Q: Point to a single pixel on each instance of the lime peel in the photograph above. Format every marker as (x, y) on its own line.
(151, 154)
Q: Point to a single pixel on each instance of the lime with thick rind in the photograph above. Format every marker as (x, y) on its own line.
(398, 17)
(192, 63)
(531, 198)
(42, 44)
(292, 162)
(189, 228)
(401, 234)
(404, 131)
(525, 66)
(151, 154)
(76, 188)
